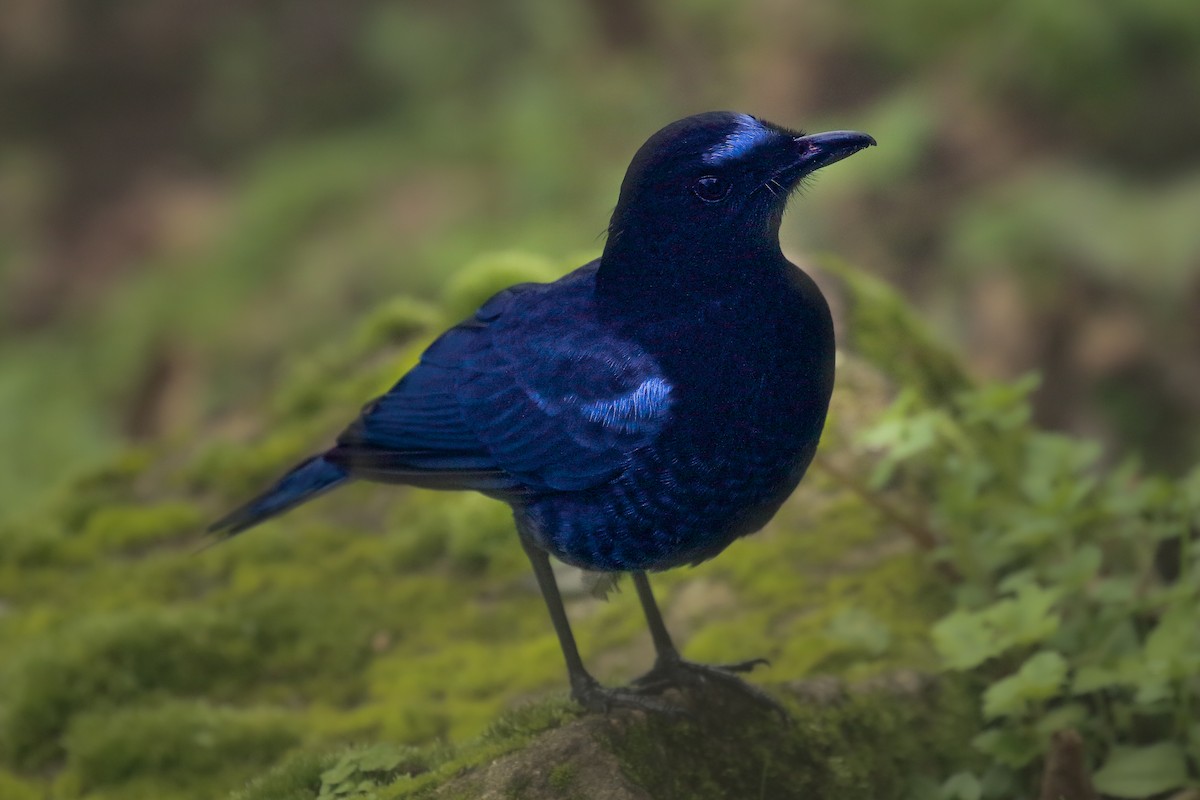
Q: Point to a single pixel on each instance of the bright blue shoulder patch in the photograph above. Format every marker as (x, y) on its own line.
(640, 410)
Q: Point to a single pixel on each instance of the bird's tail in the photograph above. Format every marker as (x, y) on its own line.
(304, 482)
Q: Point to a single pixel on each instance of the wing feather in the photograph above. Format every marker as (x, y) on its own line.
(522, 397)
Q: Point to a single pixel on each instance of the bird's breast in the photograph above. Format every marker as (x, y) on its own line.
(752, 373)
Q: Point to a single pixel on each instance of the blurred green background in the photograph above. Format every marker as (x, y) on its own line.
(203, 201)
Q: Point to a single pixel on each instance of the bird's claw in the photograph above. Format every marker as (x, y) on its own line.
(678, 672)
(667, 674)
(741, 666)
(601, 699)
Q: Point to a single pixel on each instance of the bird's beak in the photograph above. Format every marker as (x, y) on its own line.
(822, 149)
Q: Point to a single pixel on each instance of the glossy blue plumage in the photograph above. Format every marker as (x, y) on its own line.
(650, 407)
(750, 380)
(519, 401)
(618, 449)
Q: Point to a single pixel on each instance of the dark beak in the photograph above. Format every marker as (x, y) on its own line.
(822, 149)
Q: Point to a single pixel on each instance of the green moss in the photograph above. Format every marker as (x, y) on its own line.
(362, 770)
(562, 777)
(106, 661)
(29, 544)
(297, 777)
(236, 469)
(417, 705)
(488, 274)
(69, 504)
(126, 528)
(393, 322)
(509, 732)
(517, 787)
(14, 788)
(339, 377)
(273, 642)
(478, 532)
(179, 744)
(524, 722)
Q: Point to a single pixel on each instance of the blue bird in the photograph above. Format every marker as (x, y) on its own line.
(640, 413)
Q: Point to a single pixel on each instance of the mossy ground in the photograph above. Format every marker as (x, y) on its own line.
(137, 666)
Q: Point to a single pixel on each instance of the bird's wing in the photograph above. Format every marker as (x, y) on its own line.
(532, 394)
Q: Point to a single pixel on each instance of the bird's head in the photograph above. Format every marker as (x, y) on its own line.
(718, 180)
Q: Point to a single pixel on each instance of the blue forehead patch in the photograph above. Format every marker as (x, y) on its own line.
(747, 135)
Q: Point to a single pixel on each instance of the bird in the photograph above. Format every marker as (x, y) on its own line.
(640, 413)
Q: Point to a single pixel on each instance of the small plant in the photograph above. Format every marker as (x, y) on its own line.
(1079, 593)
(358, 773)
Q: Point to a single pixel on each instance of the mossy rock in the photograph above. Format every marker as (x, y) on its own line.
(876, 740)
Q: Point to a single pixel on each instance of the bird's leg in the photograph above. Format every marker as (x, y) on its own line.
(585, 689)
(671, 669)
(667, 656)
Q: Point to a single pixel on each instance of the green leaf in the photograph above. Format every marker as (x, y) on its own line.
(920, 787)
(1011, 747)
(1093, 678)
(1004, 405)
(1027, 618)
(1173, 647)
(999, 783)
(1038, 679)
(964, 640)
(339, 772)
(1078, 570)
(903, 434)
(1016, 581)
(1117, 590)
(1135, 772)
(1030, 533)
(379, 758)
(961, 786)
(1153, 690)
(1071, 715)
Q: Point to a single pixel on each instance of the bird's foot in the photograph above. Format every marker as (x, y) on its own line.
(602, 699)
(670, 673)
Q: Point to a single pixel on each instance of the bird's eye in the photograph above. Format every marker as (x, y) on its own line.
(711, 189)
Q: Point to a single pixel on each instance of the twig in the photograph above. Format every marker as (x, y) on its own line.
(917, 531)
(1066, 775)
